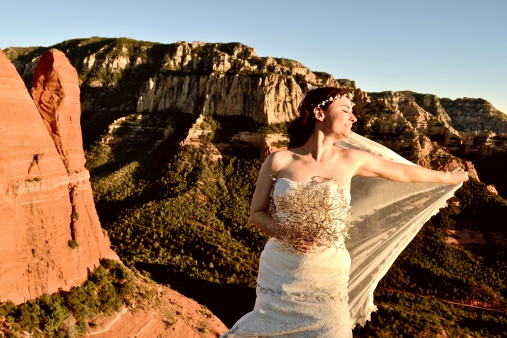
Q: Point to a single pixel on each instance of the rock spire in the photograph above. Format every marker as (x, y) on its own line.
(51, 234)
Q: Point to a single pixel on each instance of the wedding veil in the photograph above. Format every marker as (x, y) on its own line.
(386, 217)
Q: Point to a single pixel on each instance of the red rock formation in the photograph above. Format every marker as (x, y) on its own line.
(172, 315)
(46, 200)
(55, 91)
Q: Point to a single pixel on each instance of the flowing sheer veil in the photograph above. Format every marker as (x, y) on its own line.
(386, 217)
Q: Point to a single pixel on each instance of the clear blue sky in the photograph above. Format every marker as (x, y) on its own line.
(450, 48)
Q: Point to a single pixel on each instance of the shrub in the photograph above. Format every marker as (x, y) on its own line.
(29, 315)
(83, 301)
(53, 313)
(110, 285)
(73, 244)
(7, 309)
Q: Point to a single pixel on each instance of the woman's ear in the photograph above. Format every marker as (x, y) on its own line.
(319, 114)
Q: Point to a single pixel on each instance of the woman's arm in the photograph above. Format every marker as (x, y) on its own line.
(371, 165)
(259, 208)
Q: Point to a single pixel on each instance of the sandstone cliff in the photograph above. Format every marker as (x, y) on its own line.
(51, 235)
(424, 128)
(213, 79)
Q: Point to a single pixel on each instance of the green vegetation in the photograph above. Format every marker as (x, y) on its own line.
(180, 209)
(67, 314)
(281, 144)
(402, 314)
(275, 128)
(188, 228)
(290, 64)
(73, 244)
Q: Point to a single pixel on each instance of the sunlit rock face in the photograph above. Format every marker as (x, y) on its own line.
(51, 234)
(55, 92)
(268, 99)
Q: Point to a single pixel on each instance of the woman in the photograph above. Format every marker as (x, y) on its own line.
(304, 268)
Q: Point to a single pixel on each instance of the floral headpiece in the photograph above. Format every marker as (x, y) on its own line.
(336, 98)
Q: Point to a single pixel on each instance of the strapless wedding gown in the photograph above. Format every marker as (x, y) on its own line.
(301, 294)
(305, 295)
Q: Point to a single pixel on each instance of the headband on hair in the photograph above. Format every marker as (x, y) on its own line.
(335, 98)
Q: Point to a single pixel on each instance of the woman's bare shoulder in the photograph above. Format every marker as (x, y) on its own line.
(281, 155)
(279, 159)
(354, 154)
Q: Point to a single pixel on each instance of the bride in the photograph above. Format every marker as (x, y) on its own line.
(302, 200)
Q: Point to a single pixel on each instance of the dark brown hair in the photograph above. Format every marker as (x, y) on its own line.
(302, 127)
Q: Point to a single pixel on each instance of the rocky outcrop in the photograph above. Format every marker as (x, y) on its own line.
(55, 92)
(403, 109)
(439, 119)
(51, 235)
(475, 115)
(226, 80)
(268, 99)
(168, 315)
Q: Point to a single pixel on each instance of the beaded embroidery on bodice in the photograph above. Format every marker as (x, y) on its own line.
(317, 210)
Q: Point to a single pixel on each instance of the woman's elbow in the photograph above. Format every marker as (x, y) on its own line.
(252, 212)
(257, 217)
(254, 215)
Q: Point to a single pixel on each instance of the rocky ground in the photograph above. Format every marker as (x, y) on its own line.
(168, 314)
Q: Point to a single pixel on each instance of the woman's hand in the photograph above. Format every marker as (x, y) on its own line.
(457, 175)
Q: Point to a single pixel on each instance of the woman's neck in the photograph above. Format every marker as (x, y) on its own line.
(320, 147)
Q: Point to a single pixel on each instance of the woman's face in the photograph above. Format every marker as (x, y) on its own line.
(338, 117)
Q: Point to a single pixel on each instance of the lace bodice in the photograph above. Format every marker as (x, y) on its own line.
(316, 211)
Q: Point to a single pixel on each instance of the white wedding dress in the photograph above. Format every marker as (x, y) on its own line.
(325, 293)
(300, 294)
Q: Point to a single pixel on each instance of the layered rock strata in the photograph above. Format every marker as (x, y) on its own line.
(268, 99)
(51, 235)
